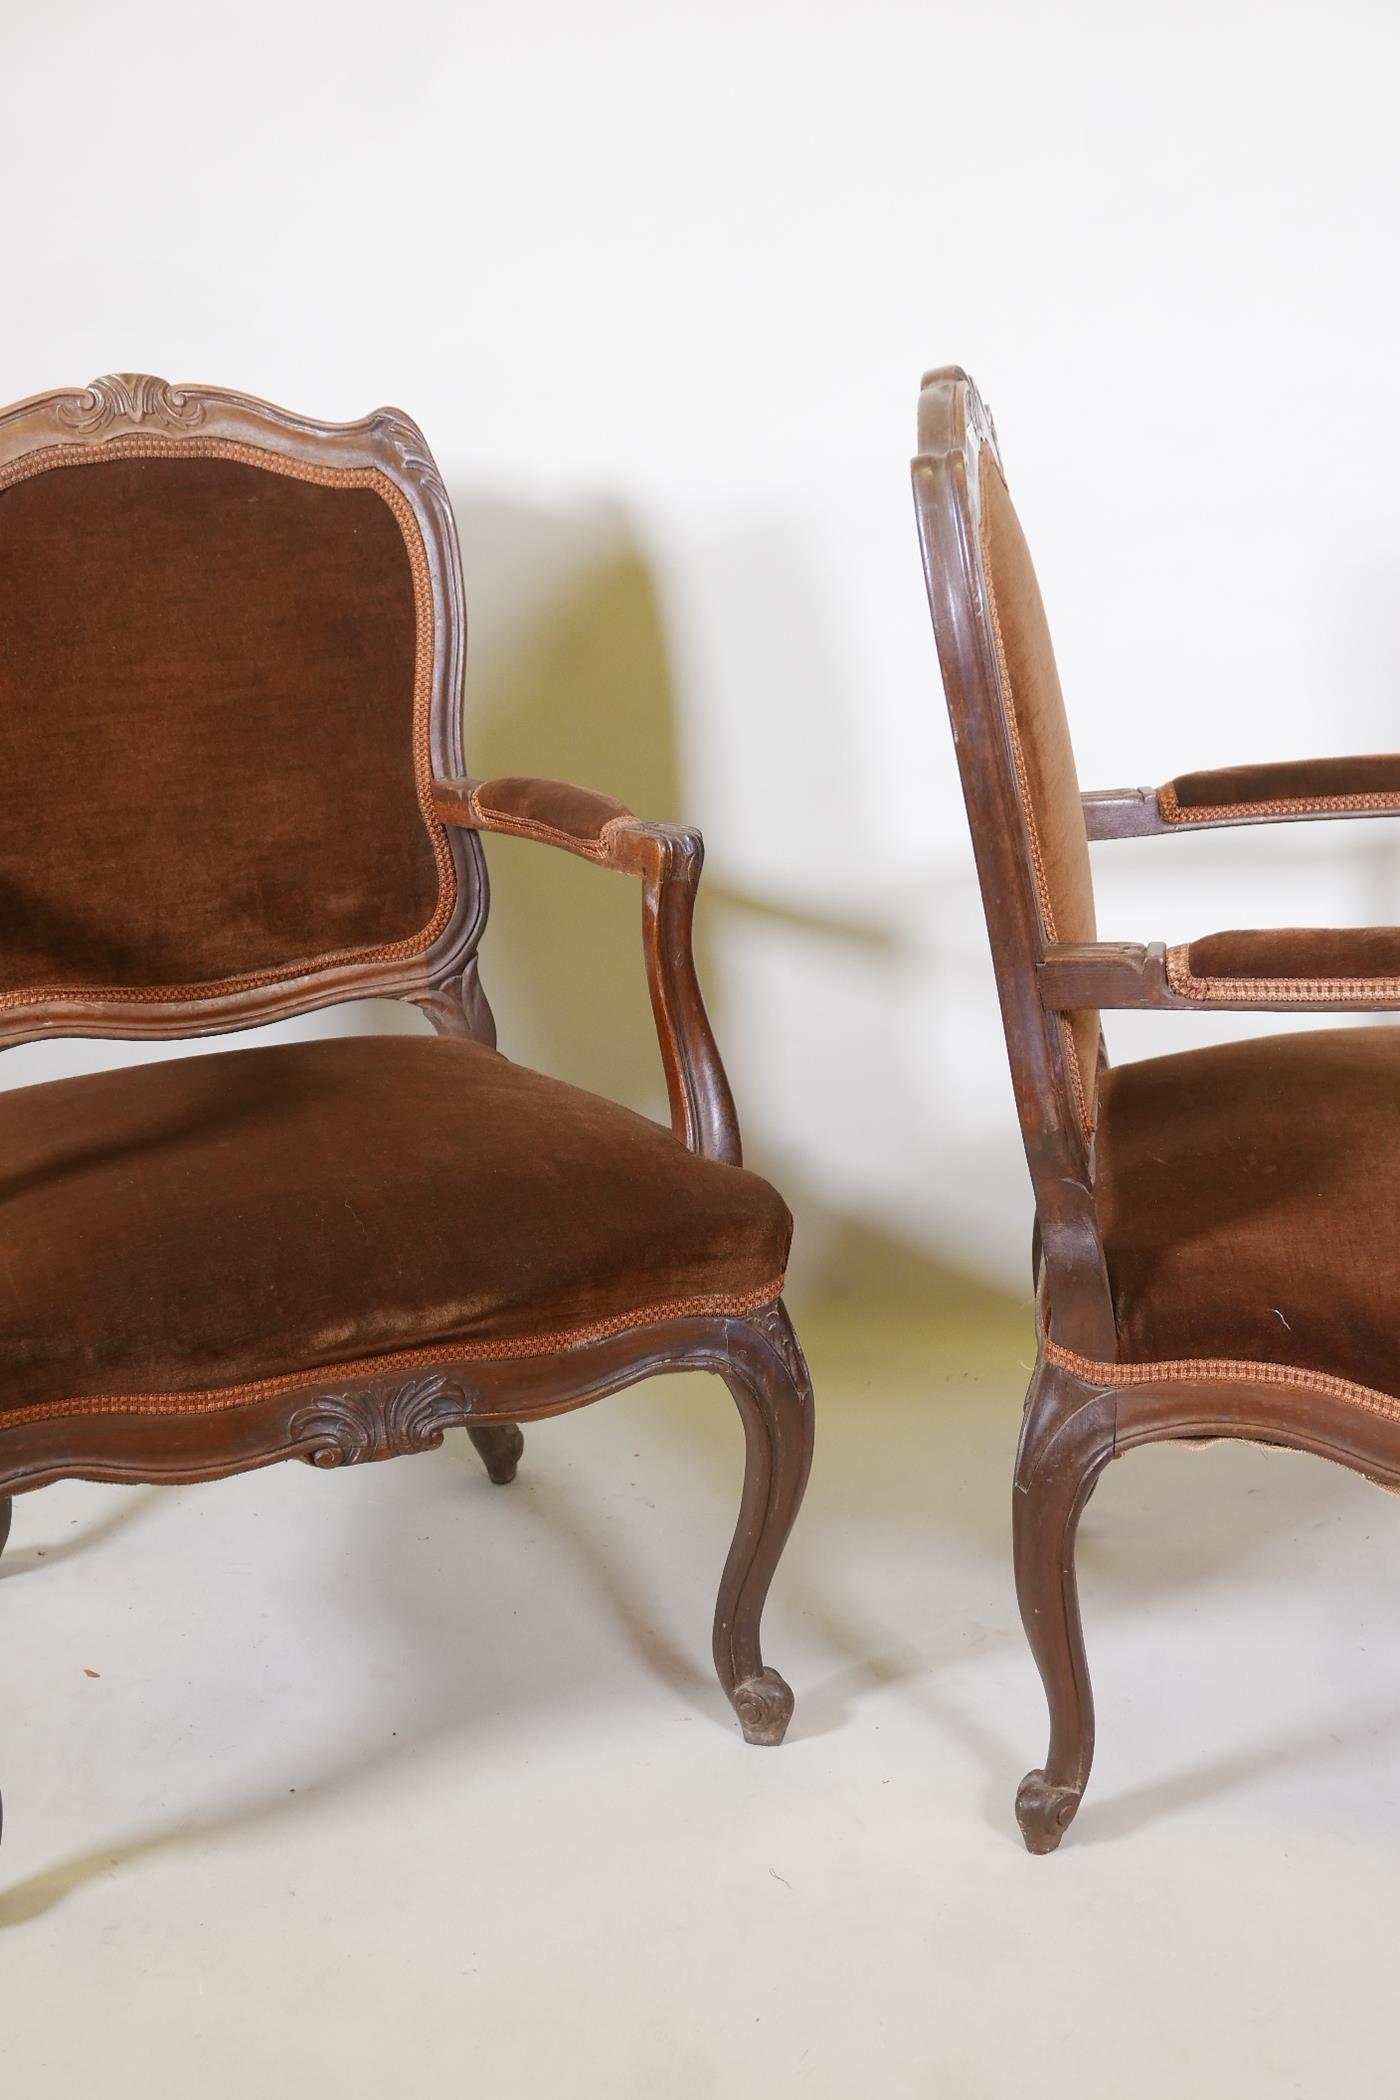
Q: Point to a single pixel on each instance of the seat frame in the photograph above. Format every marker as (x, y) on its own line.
(330, 1420)
(1084, 1406)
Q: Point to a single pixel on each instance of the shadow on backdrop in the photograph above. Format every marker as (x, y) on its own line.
(568, 678)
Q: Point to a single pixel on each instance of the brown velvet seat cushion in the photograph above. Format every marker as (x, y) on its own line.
(1250, 1199)
(211, 1222)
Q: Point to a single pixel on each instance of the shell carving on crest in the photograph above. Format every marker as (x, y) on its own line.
(129, 397)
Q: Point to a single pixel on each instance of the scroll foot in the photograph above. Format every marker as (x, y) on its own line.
(1044, 1812)
(764, 1706)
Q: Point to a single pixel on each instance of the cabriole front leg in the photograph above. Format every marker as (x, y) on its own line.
(767, 1376)
(1066, 1441)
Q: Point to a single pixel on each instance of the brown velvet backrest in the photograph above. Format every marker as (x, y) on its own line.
(230, 664)
(1047, 781)
(1024, 811)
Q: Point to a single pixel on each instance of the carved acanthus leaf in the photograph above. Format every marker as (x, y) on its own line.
(411, 450)
(129, 397)
(379, 1421)
(774, 1325)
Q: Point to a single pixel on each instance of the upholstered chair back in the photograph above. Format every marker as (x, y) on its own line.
(1043, 757)
(227, 647)
(1017, 766)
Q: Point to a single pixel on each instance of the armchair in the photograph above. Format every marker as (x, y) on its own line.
(231, 651)
(1212, 1257)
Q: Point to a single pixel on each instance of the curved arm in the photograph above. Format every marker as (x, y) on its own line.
(1292, 791)
(668, 858)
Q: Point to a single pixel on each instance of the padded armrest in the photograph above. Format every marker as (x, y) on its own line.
(1301, 787)
(668, 858)
(1349, 970)
(557, 813)
(554, 811)
(1292, 790)
(1292, 965)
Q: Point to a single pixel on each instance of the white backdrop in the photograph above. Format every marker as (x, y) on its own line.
(659, 284)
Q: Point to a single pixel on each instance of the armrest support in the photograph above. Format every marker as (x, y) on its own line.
(1349, 971)
(1077, 974)
(1293, 791)
(1120, 813)
(668, 858)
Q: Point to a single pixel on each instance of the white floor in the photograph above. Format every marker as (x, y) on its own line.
(393, 1781)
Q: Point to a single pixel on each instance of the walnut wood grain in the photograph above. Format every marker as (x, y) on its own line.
(500, 1446)
(668, 858)
(1066, 1441)
(1084, 1407)
(1121, 813)
(1104, 974)
(1123, 974)
(1124, 813)
(127, 406)
(954, 428)
(333, 1422)
(1073, 1427)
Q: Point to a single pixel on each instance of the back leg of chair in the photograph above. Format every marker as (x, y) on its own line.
(1066, 1441)
(768, 1379)
(500, 1445)
(7, 1510)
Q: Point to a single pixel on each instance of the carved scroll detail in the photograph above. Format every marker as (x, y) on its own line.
(411, 449)
(980, 417)
(774, 1325)
(129, 397)
(379, 1421)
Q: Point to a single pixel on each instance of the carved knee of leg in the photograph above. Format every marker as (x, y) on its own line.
(1066, 1441)
(768, 1379)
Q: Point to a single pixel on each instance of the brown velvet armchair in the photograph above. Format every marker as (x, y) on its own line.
(231, 653)
(1212, 1258)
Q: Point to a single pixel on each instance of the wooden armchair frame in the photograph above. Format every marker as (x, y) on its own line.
(1086, 1403)
(332, 1418)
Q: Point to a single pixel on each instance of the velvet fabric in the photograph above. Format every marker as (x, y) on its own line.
(1247, 1198)
(213, 1221)
(550, 806)
(1299, 952)
(1292, 780)
(1055, 817)
(206, 725)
